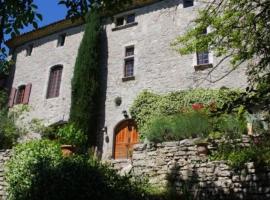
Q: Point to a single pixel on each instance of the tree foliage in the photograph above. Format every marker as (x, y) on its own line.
(85, 82)
(239, 31)
(14, 16)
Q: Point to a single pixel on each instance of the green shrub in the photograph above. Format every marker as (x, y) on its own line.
(69, 134)
(25, 164)
(37, 171)
(86, 80)
(230, 125)
(237, 156)
(9, 131)
(149, 105)
(3, 99)
(176, 127)
(160, 129)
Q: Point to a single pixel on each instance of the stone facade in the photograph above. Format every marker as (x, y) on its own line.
(177, 166)
(4, 156)
(157, 67)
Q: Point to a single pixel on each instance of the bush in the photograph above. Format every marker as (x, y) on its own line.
(25, 165)
(230, 125)
(9, 132)
(237, 156)
(149, 105)
(37, 171)
(69, 134)
(176, 127)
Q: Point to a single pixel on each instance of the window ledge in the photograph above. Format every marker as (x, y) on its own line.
(129, 78)
(202, 67)
(125, 26)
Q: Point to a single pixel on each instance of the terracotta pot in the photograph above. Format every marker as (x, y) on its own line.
(68, 150)
(202, 149)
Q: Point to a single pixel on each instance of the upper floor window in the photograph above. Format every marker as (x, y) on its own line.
(125, 20)
(54, 81)
(203, 58)
(129, 62)
(61, 40)
(188, 3)
(20, 95)
(130, 18)
(29, 49)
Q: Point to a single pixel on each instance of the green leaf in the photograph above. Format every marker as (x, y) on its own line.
(39, 16)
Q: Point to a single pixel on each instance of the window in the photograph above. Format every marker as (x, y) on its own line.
(20, 95)
(129, 66)
(120, 21)
(130, 18)
(29, 50)
(54, 81)
(129, 62)
(61, 40)
(125, 20)
(202, 58)
(188, 3)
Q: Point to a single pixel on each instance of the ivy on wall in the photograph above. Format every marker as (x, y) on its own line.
(149, 105)
(85, 82)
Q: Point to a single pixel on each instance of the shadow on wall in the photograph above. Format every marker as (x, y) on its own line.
(195, 185)
(102, 131)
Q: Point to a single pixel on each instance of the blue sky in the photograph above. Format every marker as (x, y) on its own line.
(50, 11)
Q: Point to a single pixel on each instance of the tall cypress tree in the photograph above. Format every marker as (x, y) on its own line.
(85, 82)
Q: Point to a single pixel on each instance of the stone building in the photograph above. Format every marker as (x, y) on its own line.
(136, 55)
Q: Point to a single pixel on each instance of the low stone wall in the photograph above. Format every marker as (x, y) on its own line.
(177, 166)
(4, 156)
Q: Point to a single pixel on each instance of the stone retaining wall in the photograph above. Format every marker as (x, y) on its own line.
(4, 156)
(177, 166)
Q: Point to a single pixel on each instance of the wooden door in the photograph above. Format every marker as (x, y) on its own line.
(126, 135)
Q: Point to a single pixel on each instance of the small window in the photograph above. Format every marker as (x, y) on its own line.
(188, 3)
(61, 40)
(120, 21)
(202, 58)
(54, 82)
(129, 51)
(130, 18)
(20, 95)
(29, 50)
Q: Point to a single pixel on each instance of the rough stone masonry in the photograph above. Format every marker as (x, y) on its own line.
(177, 166)
(4, 156)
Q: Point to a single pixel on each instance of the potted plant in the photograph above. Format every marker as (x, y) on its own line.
(70, 138)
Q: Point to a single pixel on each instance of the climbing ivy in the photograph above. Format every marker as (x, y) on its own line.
(149, 105)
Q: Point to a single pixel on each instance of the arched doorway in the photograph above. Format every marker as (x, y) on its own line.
(126, 135)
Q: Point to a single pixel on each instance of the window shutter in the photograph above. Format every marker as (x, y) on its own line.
(27, 93)
(12, 97)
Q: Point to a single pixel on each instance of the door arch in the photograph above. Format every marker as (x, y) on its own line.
(125, 136)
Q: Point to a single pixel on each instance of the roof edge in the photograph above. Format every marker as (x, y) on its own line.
(63, 24)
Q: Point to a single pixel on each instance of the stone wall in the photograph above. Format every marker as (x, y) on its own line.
(4, 156)
(176, 166)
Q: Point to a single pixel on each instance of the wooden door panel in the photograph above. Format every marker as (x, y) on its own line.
(126, 136)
